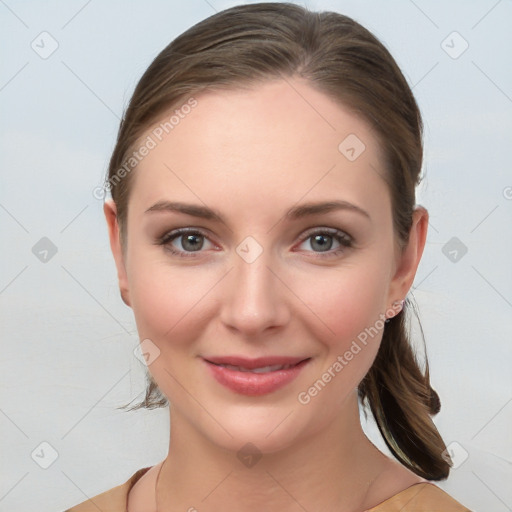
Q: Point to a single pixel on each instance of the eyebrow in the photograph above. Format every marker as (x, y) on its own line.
(294, 213)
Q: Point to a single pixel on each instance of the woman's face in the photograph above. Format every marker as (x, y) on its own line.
(261, 268)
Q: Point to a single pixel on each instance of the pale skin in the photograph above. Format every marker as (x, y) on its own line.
(251, 155)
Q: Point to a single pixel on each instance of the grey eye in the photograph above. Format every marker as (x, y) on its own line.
(321, 242)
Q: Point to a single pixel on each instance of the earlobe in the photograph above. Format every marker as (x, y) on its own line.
(110, 211)
(411, 255)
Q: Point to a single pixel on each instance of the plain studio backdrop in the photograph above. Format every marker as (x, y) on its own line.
(68, 70)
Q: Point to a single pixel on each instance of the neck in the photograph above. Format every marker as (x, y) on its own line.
(332, 469)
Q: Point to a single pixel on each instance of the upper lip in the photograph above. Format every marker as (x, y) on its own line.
(259, 362)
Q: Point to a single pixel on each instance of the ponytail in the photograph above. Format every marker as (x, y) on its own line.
(402, 402)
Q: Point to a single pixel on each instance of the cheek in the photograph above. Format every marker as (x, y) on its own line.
(351, 306)
(168, 305)
(165, 300)
(345, 302)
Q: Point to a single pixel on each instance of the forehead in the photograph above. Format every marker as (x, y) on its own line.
(280, 140)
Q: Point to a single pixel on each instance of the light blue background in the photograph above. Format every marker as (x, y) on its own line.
(67, 345)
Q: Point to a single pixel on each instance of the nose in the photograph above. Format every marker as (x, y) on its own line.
(254, 300)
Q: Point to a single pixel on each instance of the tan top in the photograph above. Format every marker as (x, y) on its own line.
(421, 497)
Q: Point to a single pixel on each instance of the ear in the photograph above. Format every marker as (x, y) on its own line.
(409, 259)
(110, 211)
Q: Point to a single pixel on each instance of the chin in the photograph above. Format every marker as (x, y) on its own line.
(268, 427)
(252, 437)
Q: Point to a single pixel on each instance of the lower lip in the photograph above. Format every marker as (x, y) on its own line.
(254, 384)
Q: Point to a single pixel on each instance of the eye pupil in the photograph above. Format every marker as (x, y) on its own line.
(192, 242)
(324, 242)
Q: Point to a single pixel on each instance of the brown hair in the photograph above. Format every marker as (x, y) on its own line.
(249, 44)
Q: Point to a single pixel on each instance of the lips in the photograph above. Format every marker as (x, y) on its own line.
(259, 362)
(261, 369)
(254, 377)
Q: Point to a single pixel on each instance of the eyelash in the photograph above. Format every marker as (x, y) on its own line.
(345, 241)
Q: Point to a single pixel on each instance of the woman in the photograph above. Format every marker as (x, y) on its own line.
(265, 233)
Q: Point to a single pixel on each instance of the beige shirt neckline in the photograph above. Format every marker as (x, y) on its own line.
(419, 497)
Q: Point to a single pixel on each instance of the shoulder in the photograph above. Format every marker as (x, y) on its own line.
(400, 490)
(113, 500)
(420, 497)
